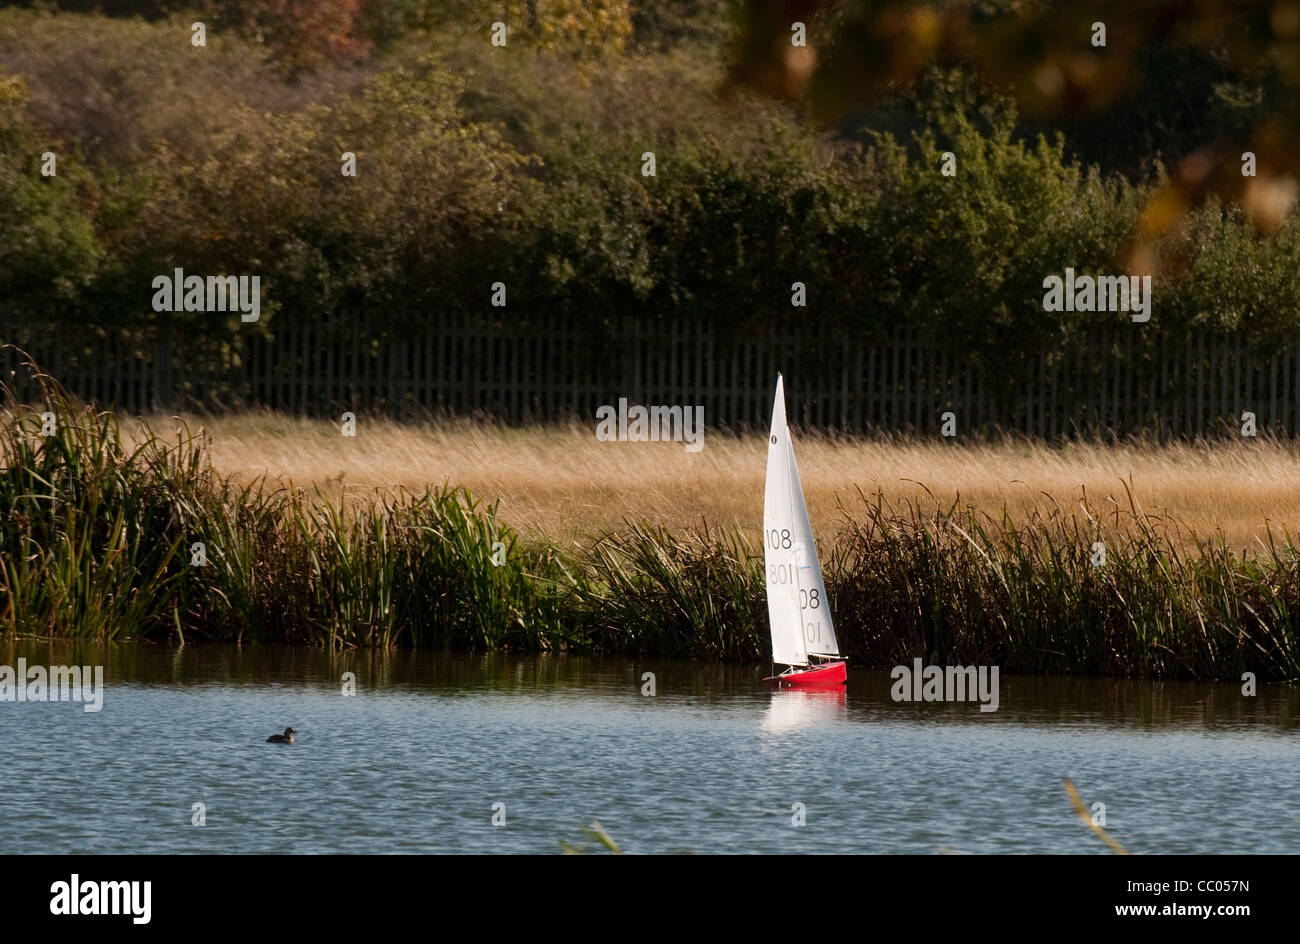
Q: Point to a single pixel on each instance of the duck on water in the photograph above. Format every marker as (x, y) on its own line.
(285, 738)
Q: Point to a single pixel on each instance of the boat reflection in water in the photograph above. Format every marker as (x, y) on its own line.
(798, 710)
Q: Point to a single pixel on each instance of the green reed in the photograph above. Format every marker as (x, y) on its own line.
(96, 542)
(957, 586)
(89, 537)
(700, 595)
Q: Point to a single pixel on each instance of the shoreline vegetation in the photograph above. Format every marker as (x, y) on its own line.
(98, 534)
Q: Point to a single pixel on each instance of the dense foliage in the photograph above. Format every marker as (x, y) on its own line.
(523, 164)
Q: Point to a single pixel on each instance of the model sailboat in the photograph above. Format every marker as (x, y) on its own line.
(803, 636)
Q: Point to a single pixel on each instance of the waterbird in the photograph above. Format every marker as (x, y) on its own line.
(285, 738)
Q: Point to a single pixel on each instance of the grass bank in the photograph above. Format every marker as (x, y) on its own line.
(559, 482)
(99, 527)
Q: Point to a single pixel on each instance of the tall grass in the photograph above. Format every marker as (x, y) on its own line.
(92, 531)
(700, 595)
(97, 542)
(558, 480)
(1035, 597)
(97, 531)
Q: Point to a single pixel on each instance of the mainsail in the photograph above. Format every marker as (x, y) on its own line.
(796, 596)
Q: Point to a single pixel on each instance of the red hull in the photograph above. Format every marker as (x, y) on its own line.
(820, 676)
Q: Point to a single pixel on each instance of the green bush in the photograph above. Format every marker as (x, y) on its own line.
(49, 253)
(479, 164)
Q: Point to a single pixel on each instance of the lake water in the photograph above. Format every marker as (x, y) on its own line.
(417, 759)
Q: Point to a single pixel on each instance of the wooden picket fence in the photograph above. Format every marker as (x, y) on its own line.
(1116, 382)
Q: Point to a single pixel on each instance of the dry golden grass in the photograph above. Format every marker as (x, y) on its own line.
(563, 482)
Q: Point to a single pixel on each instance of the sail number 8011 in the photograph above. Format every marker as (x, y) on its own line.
(778, 574)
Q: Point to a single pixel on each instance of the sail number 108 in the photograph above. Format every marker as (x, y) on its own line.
(779, 539)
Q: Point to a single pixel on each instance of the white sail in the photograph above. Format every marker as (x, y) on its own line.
(796, 596)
